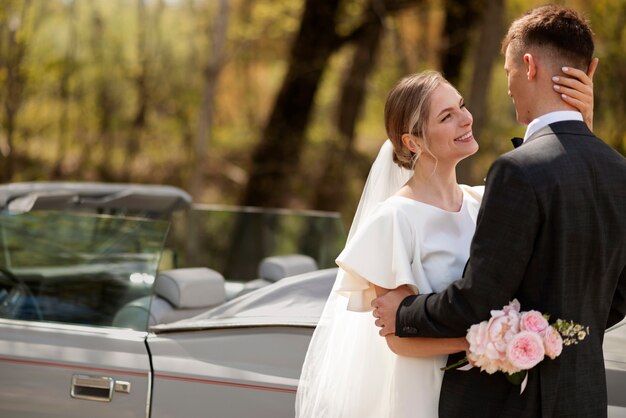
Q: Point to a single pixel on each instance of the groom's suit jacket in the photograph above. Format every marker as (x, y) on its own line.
(551, 232)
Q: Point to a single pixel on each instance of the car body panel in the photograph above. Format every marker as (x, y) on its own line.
(256, 369)
(38, 361)
(615, 362)
(250, 349)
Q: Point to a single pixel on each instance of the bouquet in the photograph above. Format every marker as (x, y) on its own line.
(514, 342)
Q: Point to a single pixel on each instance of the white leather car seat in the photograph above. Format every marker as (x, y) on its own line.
(272, 269)
(179, 293)
(280, 266)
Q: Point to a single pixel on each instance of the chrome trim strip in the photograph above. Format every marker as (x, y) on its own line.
(224, 383)
(149, 392)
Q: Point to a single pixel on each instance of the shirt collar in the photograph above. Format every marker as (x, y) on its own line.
(549, 118)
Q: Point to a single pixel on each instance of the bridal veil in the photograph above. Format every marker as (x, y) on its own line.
(347, 371)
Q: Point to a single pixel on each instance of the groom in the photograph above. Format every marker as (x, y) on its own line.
(551, 232)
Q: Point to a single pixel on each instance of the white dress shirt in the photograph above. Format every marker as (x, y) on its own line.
(552, 117)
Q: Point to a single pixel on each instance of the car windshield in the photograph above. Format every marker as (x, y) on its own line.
(101, 270)
(233, 241)
(75, 268)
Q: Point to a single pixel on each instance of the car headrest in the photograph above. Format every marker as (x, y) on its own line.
(280, 266)
(195, 287)
(142, 312)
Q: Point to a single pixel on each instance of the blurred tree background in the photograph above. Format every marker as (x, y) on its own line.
(256, 102)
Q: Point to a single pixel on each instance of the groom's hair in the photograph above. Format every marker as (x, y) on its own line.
(560, 31)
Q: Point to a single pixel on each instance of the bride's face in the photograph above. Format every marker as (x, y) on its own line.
(449, 126)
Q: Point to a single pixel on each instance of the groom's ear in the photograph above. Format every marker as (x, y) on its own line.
(531, 66)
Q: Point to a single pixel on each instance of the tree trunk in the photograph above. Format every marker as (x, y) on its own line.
(612, 92)
(102, 143)
(486, 54)
(332, 187)
(15, 83)
(487, 50)
(142, 89)
(64, 90)
(461, 17)
(217, 37)
(246, 55)
(276, 158)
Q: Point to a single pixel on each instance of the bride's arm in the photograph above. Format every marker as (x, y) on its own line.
(422, 347)
(425, 347)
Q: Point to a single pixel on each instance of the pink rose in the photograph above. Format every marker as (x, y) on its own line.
(503, 325)
(533, 321)
(488, 340)
(478, 340)
(525, 350)
(481, 351)
(553, 342)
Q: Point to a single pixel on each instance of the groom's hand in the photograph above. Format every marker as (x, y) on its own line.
(385, 308)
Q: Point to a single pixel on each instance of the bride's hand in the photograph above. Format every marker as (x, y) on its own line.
(576, 89)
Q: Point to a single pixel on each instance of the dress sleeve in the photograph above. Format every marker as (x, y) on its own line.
(476, 192)
(381, 253)
(474, 197)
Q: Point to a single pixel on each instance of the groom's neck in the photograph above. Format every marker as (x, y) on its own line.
(548, 100)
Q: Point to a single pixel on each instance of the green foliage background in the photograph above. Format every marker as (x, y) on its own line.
(82, 62)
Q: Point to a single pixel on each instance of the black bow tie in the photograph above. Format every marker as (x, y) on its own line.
(517, 141)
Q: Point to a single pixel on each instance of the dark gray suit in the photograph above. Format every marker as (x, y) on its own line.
(551, 232)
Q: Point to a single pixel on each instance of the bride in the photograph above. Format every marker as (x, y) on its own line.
(412, 228)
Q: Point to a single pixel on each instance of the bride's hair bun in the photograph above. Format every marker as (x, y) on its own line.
(404, 158)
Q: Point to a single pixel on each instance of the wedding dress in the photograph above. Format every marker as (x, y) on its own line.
(349, 372)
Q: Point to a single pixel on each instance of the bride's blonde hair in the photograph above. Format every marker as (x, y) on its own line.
(407, 110)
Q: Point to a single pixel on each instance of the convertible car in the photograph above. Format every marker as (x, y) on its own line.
(94, 277)
(129, 301)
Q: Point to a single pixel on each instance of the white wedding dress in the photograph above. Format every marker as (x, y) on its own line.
(351, 373)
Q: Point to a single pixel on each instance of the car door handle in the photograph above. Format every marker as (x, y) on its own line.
(96, 388)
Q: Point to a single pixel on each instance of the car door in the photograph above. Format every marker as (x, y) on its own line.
(64, 279)
(59, 370)
(228, 373)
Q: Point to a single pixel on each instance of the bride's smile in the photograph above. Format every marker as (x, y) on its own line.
(468, 137)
